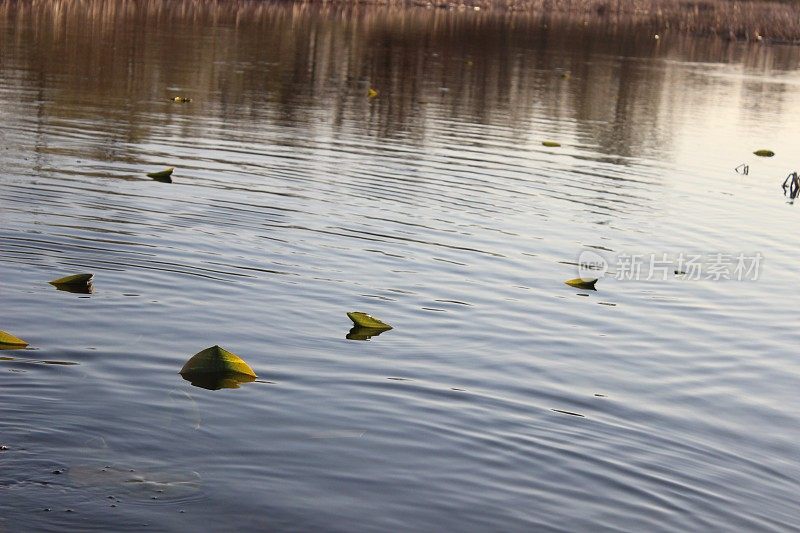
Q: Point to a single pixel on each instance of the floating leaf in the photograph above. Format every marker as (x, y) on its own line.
(361, 333)
(551, 144)
(74, 279)
(8, 339)
(77, 283)
(181, 99)
(367, 321)
(162, 174)
(372, 93)
(216, 360)
(582, 283)
(764, 153)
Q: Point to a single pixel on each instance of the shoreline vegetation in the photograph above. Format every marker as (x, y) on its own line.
(749, 20)
(767, 21)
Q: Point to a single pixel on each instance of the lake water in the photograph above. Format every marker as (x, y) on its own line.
(434, 206)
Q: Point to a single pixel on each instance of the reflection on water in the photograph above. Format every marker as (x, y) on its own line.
(361, 333)
(503, 399)
(76, 288)
(283, 65)
(217, 381)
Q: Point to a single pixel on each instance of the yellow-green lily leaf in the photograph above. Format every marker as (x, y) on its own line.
(10, 340)
(166, 173)
(216, 360)
(367, 321)
(582, 283)
(74, 279)
(764, 153)
(181, 99)
(372, 93)
(551, 144)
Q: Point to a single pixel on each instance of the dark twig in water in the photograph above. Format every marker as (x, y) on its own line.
(567, 412)
(791, 185)
(744, 168)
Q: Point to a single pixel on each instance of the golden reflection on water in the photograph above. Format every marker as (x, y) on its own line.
(118, 65)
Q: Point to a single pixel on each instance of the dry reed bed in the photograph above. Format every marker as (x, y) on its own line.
(755, 20)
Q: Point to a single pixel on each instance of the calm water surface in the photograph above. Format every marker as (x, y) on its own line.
(433, 206)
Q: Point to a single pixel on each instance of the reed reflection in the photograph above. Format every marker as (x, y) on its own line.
(117, 66)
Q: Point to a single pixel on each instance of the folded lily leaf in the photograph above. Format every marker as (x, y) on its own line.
(74, 279)
(7, 339)
(764, 153)
(582, 283)
(367, 321)
(162, 174)
(216, 360)
(551, 144)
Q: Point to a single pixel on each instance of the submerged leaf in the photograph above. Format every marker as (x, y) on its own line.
(582, 283)
(128, 480)
(34, 361)
(181, 99)
(551, 144)
(8, 339)
(367, 321)
(764, 153)
(162, 174)
(216, 360)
